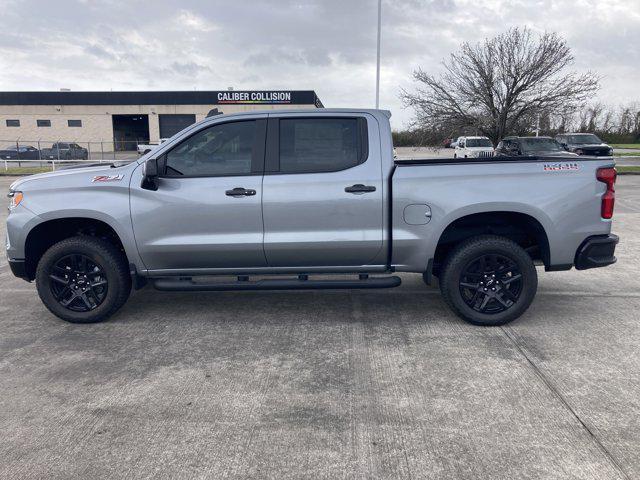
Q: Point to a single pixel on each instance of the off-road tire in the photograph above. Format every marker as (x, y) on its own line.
(104, 254)
(461, 256)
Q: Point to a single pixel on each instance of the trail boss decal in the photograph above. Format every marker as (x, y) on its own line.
(560, 166)
(107, 178)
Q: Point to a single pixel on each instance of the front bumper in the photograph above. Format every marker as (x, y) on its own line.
(19, 269)
(596, 251)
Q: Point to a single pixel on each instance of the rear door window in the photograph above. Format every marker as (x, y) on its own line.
(315, 145)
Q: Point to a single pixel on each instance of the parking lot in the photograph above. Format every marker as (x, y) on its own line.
(329, 384)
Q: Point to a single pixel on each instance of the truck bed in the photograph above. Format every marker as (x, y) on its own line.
(561, 193)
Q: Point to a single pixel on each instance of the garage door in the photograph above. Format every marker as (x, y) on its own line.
(172, 124)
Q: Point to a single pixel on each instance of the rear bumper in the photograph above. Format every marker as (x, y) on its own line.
(596, 251)
(19, 269)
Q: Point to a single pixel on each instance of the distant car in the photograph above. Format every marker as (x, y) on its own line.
(584, 144)
(474, 147)
(23, 152)
(144, 148)
(531, 147)
(65, 151)
(446, 143)
(455, 143)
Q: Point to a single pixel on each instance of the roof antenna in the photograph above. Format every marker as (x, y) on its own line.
(213, 113)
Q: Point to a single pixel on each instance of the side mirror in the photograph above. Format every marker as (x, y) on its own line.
(150, 175)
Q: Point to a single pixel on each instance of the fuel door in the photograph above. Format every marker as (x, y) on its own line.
(417, 214)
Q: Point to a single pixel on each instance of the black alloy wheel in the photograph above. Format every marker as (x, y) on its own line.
(83, 279)
(78, 283)
(491, 284)
(488, 280)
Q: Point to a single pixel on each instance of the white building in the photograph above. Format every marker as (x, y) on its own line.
(121, 120)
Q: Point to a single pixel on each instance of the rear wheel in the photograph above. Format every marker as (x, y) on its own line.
(489, 280)
(83, 279)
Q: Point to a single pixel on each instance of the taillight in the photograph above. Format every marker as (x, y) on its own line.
(608, 177)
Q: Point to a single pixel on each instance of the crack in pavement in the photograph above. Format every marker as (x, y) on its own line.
(521, 347)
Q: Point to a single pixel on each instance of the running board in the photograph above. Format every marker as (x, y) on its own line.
(301, 283)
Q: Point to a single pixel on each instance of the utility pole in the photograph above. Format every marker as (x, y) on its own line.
(378, 56)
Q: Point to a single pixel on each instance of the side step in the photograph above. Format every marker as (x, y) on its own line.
(301, 283)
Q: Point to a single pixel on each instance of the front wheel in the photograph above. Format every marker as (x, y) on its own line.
(83, 279)
(489, 280)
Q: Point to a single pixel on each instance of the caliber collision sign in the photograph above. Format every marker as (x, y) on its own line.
(266, 97)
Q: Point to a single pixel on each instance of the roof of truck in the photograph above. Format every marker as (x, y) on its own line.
(305, 111)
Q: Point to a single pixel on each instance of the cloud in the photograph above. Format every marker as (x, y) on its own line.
(325, 45)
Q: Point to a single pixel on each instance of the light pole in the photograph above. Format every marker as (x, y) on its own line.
(378, 55)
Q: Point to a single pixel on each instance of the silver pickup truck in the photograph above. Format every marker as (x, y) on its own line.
(302, 200)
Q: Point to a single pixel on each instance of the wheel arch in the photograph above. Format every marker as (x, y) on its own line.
(523, 228)
(49, 232)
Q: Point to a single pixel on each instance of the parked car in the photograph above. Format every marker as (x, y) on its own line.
(446, 143)
(474, 147)
(23, 152)
(584, 144)
(531, 147)
(65, 151)
(301, 196)
(144, 148)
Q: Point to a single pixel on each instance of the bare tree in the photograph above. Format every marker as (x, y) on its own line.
(500, 86)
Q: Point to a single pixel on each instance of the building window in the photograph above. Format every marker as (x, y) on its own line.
(13, 123)
(74, 123)
(43, 123)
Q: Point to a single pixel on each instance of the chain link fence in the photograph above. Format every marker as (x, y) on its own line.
(39, 155)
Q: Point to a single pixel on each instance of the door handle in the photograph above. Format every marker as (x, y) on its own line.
(360, 188)
(240, 192)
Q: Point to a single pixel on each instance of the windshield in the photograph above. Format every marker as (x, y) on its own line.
(582, 139)
(540, 145)
(479, 142)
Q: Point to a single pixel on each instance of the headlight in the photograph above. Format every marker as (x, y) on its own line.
(15, 198)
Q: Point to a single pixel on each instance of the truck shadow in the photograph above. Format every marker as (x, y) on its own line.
(408, 303)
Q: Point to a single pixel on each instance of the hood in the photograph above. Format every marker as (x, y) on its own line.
(69, 173)
(478, 149)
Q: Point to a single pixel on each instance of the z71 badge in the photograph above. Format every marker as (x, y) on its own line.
(107, 178)
(560, 166)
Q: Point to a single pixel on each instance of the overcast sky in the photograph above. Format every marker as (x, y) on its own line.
(324, 45)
